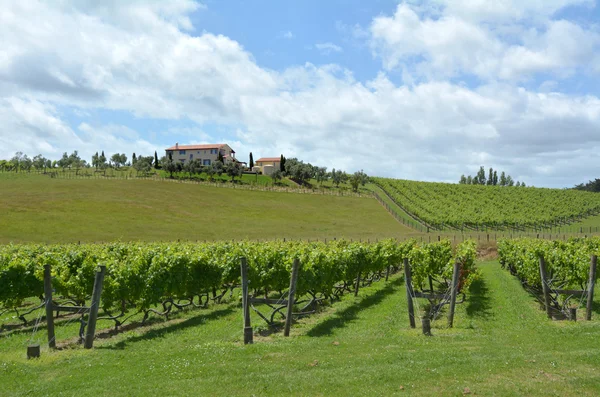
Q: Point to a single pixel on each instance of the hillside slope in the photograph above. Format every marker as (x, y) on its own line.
(36, 208)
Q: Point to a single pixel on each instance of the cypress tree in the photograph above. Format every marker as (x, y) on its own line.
(156, 163)
(251, 161)
(282, 164)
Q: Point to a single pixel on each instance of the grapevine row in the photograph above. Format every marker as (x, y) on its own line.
(141, 276)
(455, 206)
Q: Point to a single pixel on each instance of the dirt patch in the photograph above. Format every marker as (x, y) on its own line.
(487, 251)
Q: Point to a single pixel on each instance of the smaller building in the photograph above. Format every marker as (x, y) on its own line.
(268, 165)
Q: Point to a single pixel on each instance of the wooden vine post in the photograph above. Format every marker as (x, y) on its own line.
(409, 293)
(545, 288)
(454, 291)
(93, 317)
(290, 303)
(590, 292)
(357, 286)
(49, 306)
(248, 334)
(92, 310)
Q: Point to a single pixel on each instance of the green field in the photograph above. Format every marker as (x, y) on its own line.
(37, 208)
(501, 344)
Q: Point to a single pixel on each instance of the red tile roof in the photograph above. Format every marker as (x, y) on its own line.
(268, 159)
(197, 147)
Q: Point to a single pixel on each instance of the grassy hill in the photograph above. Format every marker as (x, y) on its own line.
(37, 208)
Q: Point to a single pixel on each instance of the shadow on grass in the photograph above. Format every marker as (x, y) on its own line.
(160, 332)
(479, 305)
(341, 319)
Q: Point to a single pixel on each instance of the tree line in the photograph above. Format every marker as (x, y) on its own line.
(21, 162)
(492, 179)
(301, 173)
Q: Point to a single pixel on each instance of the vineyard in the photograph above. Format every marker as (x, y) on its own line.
(561, 273)
(155, 279)
(444, 206)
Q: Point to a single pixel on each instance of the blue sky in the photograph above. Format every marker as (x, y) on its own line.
(425, 91)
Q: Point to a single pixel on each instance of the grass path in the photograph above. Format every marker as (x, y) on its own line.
(502, 344)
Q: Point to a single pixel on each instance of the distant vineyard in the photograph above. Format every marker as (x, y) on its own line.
(475, 207)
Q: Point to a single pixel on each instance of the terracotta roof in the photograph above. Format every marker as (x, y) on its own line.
(197, 147)
(268, 159)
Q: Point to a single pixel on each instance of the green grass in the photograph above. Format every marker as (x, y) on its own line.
(37, 208)
(501, 344)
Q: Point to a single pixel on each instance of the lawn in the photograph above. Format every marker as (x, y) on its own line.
(502, 344)
(37, 208)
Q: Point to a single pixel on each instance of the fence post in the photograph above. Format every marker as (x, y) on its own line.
(245, 303)
(49, 314)
(545, 287)
(454, 287)
(290, 307)
(93, 317)
(590, 294)
(409, 293)
(357, 286)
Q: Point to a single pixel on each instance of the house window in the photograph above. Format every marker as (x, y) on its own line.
(191, 156)
(182, 160)
(213, 151)
(206, 162)
(182, 152)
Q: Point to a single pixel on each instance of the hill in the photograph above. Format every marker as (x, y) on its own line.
(37, 208)
(445, 206)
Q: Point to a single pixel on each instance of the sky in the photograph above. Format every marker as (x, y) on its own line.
(413, 90)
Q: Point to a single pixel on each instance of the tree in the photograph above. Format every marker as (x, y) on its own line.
(523, 184)
(118, 159)
(490, 180)
(282, 164)
(463, 179)
(210, 171)
(95, 160)
(509, 181)
(495, 179)
(102, 162)
(337, 177)
(133, 159)
(156, 162)
(167, 164)
(321, 175)
(233, 169)
(480, 178)
(16, 161)
(143, 164)
(220, 157)
(298, 170)
(251, 163)
(218, 167)
(39, 162)
(503, 179)
(64, 161)
(469, 180)
(193, 167)
(356, 180)
(26, 163)
(276, 176)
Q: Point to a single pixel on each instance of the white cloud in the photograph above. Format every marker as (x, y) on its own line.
(328, 48)
(454, 40)
(287, 35)
(430, 130)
